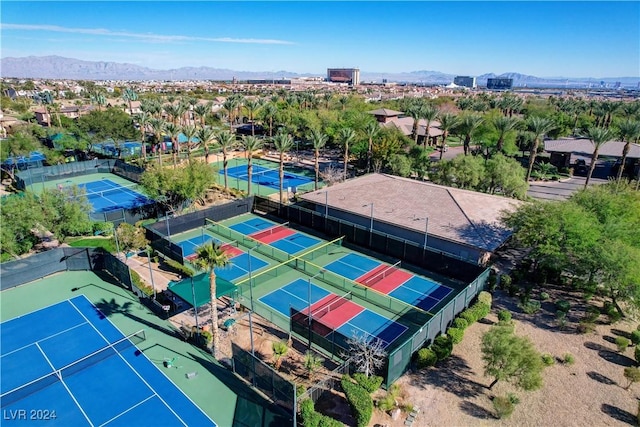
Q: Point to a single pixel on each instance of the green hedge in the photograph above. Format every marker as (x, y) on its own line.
(137, 281)
(455, 334)
(460, 323)
(370, 384)
(182, 269)
(360, 401)
(311, 418)
(425, 358)
(442, 346)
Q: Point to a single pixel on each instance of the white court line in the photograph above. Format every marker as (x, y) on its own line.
(165, 375)
(44, 339)
(130, 409)
(59, 375)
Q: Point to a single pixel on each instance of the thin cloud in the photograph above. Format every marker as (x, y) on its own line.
(148, 37)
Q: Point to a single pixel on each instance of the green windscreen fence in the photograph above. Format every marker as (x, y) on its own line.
(199, 285)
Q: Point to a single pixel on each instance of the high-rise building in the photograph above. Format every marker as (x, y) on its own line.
(499, 83)
(465, 81)
(344, 75)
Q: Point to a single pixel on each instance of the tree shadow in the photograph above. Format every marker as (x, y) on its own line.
(610, 339)
(450, 375)
(252, 409)
(610, 355)
(596, 376)
(475, 410)
(621, 333)
(619, 414)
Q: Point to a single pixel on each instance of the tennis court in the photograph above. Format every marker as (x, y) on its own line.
(294, 294)
(189, 246)
(72, 366)
(105, 195)
(389, 279)
(267, 177)
(277, 235)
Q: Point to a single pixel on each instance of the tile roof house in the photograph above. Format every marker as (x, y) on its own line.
(461, 223)
(388, 118)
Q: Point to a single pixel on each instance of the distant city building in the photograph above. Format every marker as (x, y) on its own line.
(344, 75)
(499, 83)
(465, 81)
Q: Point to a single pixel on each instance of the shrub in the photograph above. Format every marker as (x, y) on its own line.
(568, 359)
(585, 327)
(426, 357)
(544, 296)
(635, 337)
(505, 281)
(460, 323)
(182, 269)
(591, 313)
(370, 384)
(492, 282)
(504, 316)
(455, 334)
(469, 316)
(503, 406)
(360, 401)
(311, 418)
(484, 297)
(622, 343)
(389, 401)
(548, 359)
(102, 228)
(531, 307)
(563, 305)
(481, 310)
(636, 354)
(442, 347)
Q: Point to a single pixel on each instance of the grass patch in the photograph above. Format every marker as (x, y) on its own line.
(94, 242)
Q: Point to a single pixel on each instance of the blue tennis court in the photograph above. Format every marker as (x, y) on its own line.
(352, 266)
(240, 266)
(268, 177)
(105, 195)
(73, 367)
(295, 243)
(189, 246)
(421, 293)
(294, 295)
(372, 325)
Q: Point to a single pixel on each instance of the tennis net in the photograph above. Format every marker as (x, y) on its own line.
(370, 281)
(25, 390)
(269, 231)
(333, 304)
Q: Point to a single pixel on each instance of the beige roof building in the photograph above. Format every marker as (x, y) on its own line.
(462, 223)
(388, 118)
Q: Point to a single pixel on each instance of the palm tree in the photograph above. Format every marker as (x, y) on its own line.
(415, 112)
(209, 257)
(467, 127)
(448, 121)
(504, 125)
(201, 111)
(598, 136)
(347, 136)
(143, 120)
(157, 126)
(252, 106)
(326, 97)
(269, 112)
(539, 127)
(227, 141)
(318, 139)
(190, 132)
(174, 133)
(206, 137)
(283, 143)
(251, 144)
(343, 101)
(230, 105)
(372, 130)
(629, 131)
(429, 113)
(129, 96)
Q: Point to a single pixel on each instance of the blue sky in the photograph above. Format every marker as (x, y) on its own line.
(546, 39)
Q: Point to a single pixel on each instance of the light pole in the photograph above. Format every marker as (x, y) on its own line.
(153, 285)
(426, 228)
(251, 297)
(322, 271)
(371, 225)
(195, 310)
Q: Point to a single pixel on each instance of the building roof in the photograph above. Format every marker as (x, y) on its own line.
(462, 216)
(585, 146)
(405, 124)
(385, 112)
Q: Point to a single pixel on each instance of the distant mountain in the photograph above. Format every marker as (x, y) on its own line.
(56, 67)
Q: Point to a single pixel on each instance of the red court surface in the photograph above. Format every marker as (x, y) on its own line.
(271, 235)
(231, 250)
(340, 311)
(384, 279)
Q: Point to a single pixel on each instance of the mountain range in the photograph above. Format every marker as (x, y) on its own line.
(56, 67)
